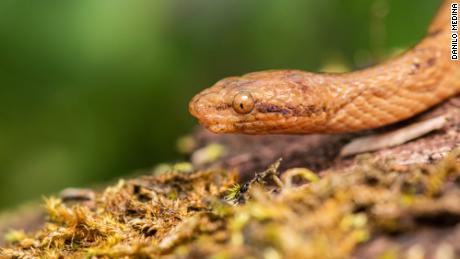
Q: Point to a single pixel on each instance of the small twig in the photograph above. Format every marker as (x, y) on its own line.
(393, 138)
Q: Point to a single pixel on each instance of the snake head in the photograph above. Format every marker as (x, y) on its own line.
(261, 103)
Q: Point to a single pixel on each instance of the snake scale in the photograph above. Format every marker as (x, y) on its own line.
(299, 102)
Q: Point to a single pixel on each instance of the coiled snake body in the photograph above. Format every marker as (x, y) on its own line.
(298, 102)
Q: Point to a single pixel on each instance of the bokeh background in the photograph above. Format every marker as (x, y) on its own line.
(92, 90)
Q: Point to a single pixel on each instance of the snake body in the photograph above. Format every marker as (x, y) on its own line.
(299, 102)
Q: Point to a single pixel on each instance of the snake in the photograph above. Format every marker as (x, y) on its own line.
(300, 102)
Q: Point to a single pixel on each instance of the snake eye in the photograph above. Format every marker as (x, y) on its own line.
(243, 103)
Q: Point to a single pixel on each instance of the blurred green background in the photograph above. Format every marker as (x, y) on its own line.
(91, 90)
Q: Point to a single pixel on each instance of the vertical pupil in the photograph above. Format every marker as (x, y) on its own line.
(243, 103)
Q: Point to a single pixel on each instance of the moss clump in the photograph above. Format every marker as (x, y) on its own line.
(291, 215)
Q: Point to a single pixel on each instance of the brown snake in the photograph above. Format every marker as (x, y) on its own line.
(297, 102)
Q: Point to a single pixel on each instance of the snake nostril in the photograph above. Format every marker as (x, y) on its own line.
(199, 107)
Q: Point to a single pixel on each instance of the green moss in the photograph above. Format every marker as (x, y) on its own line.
(207, 213)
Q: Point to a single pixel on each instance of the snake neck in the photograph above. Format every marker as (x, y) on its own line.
(401, 87)
(441, 22)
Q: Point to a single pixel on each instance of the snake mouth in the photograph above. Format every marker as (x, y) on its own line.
(199, 109)
(221, 128)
